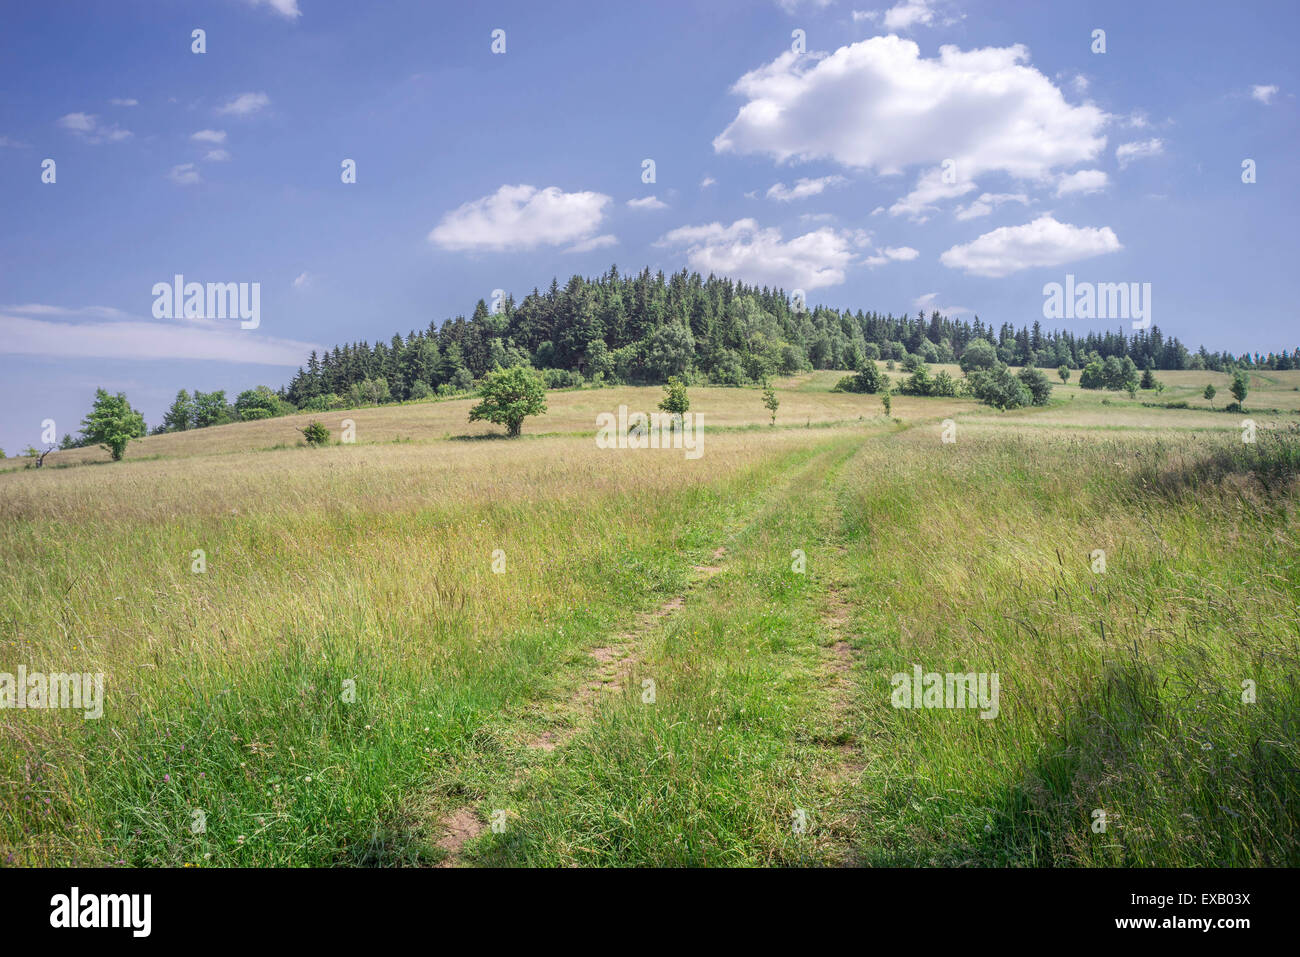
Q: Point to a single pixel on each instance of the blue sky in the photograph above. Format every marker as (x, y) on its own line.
(822, 169)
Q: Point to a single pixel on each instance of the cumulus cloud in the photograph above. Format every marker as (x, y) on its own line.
(803, 188)
(140, 339)
(302, 280)
(762, 256)
(216, 156)
(988, 202)
(88, 127)
(124, 102)
(647, 202)
(209, 136)
(1263, 93)
(879, 105)
(1084, 181)
(522, 217)
(1126, 153)
(1043, 242)
(245, 103)
(707, 182)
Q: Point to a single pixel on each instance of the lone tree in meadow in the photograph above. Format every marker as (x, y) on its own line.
(1064, 373)
(675, 400)
(771, 401)
(1209, 393)
(1240, 385)
(112, 423)
(508, 395)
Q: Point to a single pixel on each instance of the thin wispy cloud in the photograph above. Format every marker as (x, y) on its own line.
(146, 340)
(184, 174)
(87, 126)
(1127, 153)
(245, 104)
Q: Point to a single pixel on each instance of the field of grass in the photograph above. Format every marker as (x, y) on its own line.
(425, 650)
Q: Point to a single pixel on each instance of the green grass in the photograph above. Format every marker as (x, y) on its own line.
(771, 739)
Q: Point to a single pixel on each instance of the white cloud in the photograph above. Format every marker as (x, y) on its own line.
(707, 182)
(803, 188)
(1043, 242)
(892, 254)
(878, 105)
(286, 8)
(185, 174)
(12, 144)
(761, 256)
(1263, 93)
(1084, 181)
(930, 188)
(1080, 83)
(139, 339)
(1126, 153)
(521, 217)
(245, 103)
(88, 127)
(124, 102)
(901, 16)
(647, 202)
(217, 156)
(988, 202)
(209, 136)
(302, 279)
(44, 309)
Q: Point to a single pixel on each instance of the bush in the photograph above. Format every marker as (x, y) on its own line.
(1040, 390)
(561, 378)
(867, 381)
(421, 390)
(922, 383)
(315, 433)
(999, 388)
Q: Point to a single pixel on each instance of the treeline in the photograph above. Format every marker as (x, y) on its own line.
(644, 328)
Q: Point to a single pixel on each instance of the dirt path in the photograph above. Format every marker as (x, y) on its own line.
(615, 663)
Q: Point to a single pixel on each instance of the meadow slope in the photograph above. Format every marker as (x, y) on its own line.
(437, 646)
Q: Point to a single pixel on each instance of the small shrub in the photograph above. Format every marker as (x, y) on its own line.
(315, 433)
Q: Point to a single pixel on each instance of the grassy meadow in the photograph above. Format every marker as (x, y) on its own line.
(441, 647)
